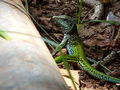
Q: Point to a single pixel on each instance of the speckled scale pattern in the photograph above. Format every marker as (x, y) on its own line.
(75, 48)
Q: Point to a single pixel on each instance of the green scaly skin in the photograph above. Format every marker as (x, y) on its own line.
(75, 48)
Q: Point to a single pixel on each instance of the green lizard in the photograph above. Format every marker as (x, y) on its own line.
(4, 35)
(75, 48)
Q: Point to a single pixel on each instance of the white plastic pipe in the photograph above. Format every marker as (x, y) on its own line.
(25, 62)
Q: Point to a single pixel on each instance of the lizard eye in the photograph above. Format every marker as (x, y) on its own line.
(65, 19)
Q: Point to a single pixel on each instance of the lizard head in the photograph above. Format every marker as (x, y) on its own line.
(65, 22)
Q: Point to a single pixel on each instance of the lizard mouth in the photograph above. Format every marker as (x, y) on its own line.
(65, 22)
